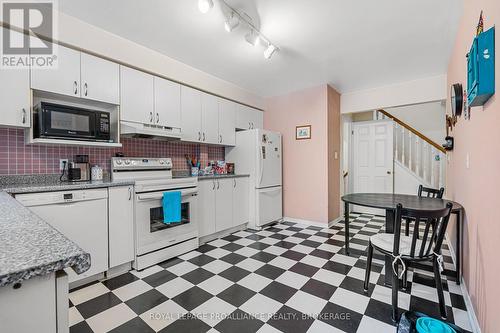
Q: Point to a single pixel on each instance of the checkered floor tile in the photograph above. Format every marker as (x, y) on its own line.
(286, 278)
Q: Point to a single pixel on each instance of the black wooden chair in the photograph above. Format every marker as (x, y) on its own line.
(406, 250)
(425, 192)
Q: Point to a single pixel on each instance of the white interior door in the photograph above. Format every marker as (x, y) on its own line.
(373, 161)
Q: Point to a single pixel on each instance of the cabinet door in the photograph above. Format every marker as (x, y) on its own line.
(191, 114)
(206, 207)
(210, 118)
(167, 99)
(224, 204)
(136, 91)
(15, 95)
(65, 79)
(227, 120)
(241, 201)
(100, 79)
(121, 225)
(243, 118)
(256, 118)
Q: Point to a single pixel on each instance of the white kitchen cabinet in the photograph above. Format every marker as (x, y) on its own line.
(167, 103)
(240, 201)
(248, 118)
(136, 94)
(224, 204)
(210, 118)
(41, 297)
(191, 114)
(14, 96)
(227, 122)
(121, 225)
(206, 204)
(100, 79)
(65, 79)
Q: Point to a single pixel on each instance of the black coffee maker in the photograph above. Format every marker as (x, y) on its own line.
(79, 169)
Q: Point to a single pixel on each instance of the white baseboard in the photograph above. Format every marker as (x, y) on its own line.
(312, 223)
(474, 323)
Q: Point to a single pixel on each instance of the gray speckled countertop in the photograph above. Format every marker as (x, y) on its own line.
(184, 174)
(30, 247)
(51, 183)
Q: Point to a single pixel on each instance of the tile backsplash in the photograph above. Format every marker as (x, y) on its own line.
(17, 158)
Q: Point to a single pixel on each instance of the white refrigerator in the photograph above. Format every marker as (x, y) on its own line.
(258, 153)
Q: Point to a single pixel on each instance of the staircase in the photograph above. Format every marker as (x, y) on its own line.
(417, 154)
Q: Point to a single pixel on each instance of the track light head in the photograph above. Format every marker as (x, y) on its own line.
(270, 50)
(252, 37)
(232, 22)
(205, 5)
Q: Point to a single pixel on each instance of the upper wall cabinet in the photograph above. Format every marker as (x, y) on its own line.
(210, 118)
(167, 103)
(191, 114)
(248, 118)
(80, 75)
(65, 79)
(227, 122)
(100, 79)
(14, 96)
(136, 90)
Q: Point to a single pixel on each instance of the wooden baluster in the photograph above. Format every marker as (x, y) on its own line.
(396, 150)
(410, 150)
(403, 146)
(424, 161)
(433, 167)
(417, 156)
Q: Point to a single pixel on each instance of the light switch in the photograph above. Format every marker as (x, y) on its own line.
(467, 161)
(336, 155)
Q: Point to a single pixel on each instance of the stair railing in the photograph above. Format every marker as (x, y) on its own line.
(423, 157)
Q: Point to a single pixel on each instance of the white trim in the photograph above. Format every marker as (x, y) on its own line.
(312, 223)
(474, 323)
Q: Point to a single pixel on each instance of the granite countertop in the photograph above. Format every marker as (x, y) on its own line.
(51, 183)
(31, 247)
(185, 174)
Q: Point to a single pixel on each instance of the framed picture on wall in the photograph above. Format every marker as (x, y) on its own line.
(303, 132)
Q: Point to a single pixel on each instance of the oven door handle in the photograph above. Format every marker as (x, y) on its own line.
(159, 195)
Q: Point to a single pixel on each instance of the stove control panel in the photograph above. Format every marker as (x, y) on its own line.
(131, 163)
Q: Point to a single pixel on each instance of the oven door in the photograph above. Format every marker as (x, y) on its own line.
(58, 121)
(152, 234)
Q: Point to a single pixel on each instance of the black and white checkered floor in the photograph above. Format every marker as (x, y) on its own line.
(287, 278)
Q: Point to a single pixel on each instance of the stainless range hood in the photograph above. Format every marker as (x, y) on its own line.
(138, 130)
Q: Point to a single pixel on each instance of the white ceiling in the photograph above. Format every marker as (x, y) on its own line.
(351, 44)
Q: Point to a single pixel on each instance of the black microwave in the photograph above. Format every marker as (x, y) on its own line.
(58, 121)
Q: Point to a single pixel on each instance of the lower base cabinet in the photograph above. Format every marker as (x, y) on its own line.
(223, 204)
(39, 304)
(121, 225)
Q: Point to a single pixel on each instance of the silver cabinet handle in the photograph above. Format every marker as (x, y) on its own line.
(157, 117)
(203, 136)
(199, 136)
(213, 183)
(85, 87)
(253, 126)
(150, 117)
(218, 184)
(24, 116)
(249, 125)
(75, 85)
(220, 136)
(129, 193)
(234, 180)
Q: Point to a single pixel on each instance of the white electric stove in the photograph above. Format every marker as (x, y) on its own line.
(156, 241)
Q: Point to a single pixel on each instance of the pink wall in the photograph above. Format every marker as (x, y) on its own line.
(305, 162)
(16, 158)
(477, 187)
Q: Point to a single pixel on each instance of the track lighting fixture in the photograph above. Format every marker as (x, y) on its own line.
(270, 50)
(232, 21)
(205, 5)
(252, 37)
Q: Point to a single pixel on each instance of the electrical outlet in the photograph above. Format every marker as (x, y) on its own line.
(61, 163)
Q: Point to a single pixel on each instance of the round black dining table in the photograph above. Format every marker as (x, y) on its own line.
(388, 202)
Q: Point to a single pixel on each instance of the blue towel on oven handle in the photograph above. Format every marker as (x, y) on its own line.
(172, 207)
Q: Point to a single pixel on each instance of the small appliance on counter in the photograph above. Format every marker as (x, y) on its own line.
(78, 170)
